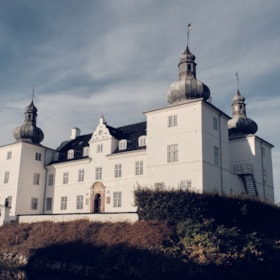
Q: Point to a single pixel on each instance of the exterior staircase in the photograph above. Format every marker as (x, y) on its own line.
(245, 172)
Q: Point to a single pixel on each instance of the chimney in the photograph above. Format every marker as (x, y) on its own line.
(75, 132)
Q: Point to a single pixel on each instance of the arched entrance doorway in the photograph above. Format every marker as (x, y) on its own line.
(97, 197)
(97, 203)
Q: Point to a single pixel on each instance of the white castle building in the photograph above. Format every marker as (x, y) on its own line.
(189, 144)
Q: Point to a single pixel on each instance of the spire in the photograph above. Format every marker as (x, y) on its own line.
(188, 33)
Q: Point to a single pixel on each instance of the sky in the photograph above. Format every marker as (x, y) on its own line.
(117, 58)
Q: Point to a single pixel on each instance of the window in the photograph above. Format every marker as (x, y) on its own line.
(122, 144)
(8, 202)
(63, 203)
(85, 151)
(172, 153)
(215, 123)
(51, 180)
(185, 184)
(34, 203)
(263, 151)
(70, 154)
(9, 155)
(38, 156)
(49, 204)
(159, 186)
(216, 155)
(81, 175)
(142, 141)
(118, 170)
(79, 202)
(36, 179)
(172, 120)
(117, 199)
(98, 173)
(99, 148)
(6, 177)
(65, 177)
(139, 168)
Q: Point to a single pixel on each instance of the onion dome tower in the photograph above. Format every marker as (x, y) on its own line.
(29, 132)
(187, 87)
(240, 124)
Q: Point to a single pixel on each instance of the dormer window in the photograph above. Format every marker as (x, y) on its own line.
(85, 151)
(142, 141)
(123, 144)
(70, 154)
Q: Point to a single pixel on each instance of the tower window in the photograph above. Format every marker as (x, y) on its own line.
(172, 153)
(215, 123)
(34, 203)
(38, 156)
(6, 177)
(36, 179)
(9, 155)
(172, 120)
(216, 155)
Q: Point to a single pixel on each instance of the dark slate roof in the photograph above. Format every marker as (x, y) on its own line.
(130, 132)
(77, 145)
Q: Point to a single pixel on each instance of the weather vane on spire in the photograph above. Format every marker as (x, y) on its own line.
(188, 34)
(33, 92)
(237, 80)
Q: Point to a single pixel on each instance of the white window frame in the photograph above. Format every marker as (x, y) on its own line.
(117, 199)
(63, 203)
(38, 156)
(123, 144)
(98, 173)
(9, 154)
(216, 155)
(142, 141)
(185, 184)
(172, 153)
(139, 167)
(99, 148)
(172, 120)
(118, 170)
(6, 177)
(81, 175)
(70, 154)
(79, 202)
(36, 179)
(34, 203)
(65, 178)
(85, 151)
(51, 179)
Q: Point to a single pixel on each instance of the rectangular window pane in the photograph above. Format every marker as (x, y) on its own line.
(79, 202)
(38, 156)
(98, 173)
(51, 180)
(117, 199)
(81, 175)
(139, 168)
(216, 155)
(34, 203)
(6, 177)
(215, 123)
(172, 120)
(118, 170)
(99, 148)
(36, 179)
(49, 204)
(65, 178)
(9, 155)
(172, 153)
(63, 203)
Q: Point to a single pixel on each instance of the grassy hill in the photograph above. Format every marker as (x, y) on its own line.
(180, 235)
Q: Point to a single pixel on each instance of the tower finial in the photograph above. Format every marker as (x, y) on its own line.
(237, 80)
(188, 34)
(33, 92)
